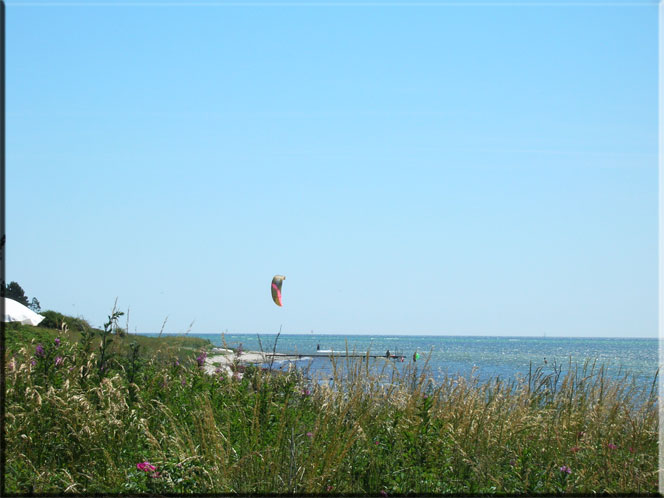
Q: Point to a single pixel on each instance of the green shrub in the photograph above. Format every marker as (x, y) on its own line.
(55, 320)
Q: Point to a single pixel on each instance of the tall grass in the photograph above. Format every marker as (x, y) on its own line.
(369, 430)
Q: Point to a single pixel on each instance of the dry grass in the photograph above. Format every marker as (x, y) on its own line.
(368, 430)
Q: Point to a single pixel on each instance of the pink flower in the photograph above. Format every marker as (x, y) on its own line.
(383, 493)
(611, 446)
(146, 467)
(306, 392)
(310, 434)
(376, 443)
(155, 475)
(58, 361)
(565, 469)
(330, 488)
(57, 342)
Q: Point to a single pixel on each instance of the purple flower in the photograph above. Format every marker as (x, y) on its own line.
(383, 493)
(39, 351)
(306, 392)
(201, 359)
(565, 469)
(33, 362)
(310, 434)
(611, 446)
(57, 342)
(146, 467)
(183, 382)
(177, 363)
(58, 361)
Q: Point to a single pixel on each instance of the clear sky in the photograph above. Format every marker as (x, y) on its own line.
(485, 170)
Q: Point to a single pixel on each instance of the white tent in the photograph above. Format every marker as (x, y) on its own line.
(16, 312)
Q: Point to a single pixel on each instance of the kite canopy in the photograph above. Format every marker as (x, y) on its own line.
(276, 289)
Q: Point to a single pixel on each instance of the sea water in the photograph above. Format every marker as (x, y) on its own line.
(485, 358)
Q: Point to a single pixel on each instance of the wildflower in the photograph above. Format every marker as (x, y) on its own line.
(58, 361)
(183, 382)
(33, 362)
(565, 469)
(376, 442)
(39, 351)
(631, 450)
(155, 475)
(611, 446)
(512, 462)
(574, 449)
(146, 467)
(177, 363)
(57, 342)
(310, 434)
(201, 359)
(306, 392)
(383, 493)
(581, 434)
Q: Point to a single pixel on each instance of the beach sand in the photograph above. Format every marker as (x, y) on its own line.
(222, 359)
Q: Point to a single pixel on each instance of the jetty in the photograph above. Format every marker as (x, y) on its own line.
(339, 354)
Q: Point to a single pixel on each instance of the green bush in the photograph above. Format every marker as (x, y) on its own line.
(55, 320)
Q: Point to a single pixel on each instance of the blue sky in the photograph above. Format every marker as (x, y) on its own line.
(485, 170)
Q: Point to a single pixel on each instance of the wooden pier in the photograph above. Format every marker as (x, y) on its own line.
(336, 354)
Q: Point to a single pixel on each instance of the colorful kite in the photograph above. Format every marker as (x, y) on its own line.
(276, 289)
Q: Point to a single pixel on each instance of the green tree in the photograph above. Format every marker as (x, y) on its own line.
(15, 292)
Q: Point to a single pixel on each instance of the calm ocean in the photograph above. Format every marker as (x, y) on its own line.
(488, 357)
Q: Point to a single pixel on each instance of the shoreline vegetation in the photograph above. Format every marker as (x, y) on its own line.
(100, 411)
